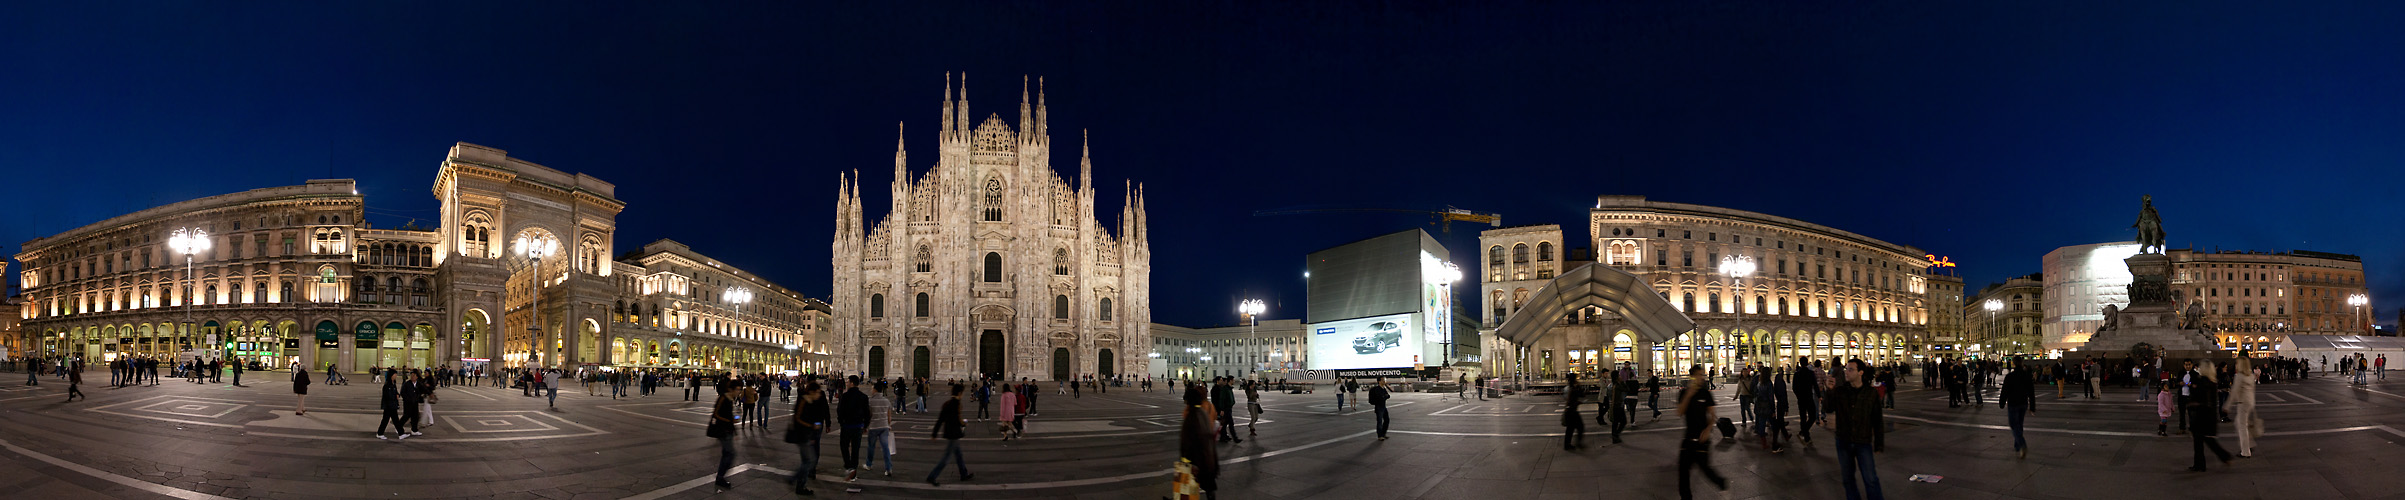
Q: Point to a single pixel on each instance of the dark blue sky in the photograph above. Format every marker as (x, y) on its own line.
(1991, 133)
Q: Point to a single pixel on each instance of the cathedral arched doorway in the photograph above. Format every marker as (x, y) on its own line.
(1106, 364)
(1060, 363)
(989, 354)
(922, 363)
(876, 362)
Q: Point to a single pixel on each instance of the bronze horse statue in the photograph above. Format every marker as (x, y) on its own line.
(2150, 226)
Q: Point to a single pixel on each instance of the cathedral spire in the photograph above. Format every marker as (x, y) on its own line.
(1026, 114)
(901, 154)
(1043, 131)
(1085, 161)
(962, 125)
(944, 133)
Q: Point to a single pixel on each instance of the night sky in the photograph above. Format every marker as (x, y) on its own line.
(1987, 132)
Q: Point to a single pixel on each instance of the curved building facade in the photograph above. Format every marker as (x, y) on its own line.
(1817, 292)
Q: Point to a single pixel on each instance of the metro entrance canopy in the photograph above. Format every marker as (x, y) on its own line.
(1614, 290)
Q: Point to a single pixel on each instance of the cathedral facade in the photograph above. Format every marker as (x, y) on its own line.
(990, 263)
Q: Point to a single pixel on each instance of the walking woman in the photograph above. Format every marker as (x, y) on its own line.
(1574, 427)
(2242, 408)
(2203, 424)
(1198, 456)
(300, 390)
(391, 403)
(722, 428)
(75, 380)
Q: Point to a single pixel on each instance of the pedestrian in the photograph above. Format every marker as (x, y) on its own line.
(2019, 397)
(722, 428)
(1695, 407)
(922, 396)
(1481, 388)
(237, 373)
(852, 412)
(881, 429)
(75, 380)
(1340, 390)
(411, 400)
(1745, 396)
(1807, 386)
(1460, 387)
(2203, 424)
(2242, 408)
(1653, 399)
(807, 431)
(1574, 427)
(1252, 400)
(551, 381)
(2163, 409)
(1198, 459)
(391, 403)
(949, 427)
(1860, 428)
(1223, 397)
(1378, 397)
(1619, 404)
(426, 401)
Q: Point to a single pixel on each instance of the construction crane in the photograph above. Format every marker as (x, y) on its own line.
(1444, 218)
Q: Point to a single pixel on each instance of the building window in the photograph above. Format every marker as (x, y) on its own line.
(1687, 258)
(993, 267)
(993, 199)
(925, 259)
(876, 305)
(1519, 253)
(1687, 302)
(1544, 251)
(1060, 307)
(1060, 262)
(1105, 309)
(1494, 255)
(919, 305)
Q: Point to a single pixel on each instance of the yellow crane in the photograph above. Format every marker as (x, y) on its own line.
(1444, 218)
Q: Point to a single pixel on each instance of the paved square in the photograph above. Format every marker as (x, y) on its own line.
(496, 423)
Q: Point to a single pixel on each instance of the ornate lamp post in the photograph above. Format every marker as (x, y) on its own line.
(529, 253)
(1251, 309)
(1737, 268)
(1992, 306)
(190, 242)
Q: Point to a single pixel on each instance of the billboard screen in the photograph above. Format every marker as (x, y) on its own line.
(1390, 341)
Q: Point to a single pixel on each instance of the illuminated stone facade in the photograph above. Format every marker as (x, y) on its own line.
(990, 263)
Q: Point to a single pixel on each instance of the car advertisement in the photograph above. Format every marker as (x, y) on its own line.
(1390, 341)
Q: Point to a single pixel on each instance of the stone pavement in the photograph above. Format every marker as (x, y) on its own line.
(181, 440)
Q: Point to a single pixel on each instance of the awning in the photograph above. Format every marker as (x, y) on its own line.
(1616, 291)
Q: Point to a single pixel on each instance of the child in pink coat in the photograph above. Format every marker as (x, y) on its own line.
(2162, 409)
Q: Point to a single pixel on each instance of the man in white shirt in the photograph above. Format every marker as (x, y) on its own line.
(880, 429)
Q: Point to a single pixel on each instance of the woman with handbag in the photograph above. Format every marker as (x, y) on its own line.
(722, 428)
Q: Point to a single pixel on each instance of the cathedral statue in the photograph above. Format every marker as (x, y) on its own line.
(2150, 226)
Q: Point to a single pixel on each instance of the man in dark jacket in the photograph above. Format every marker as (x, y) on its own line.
(1378, 404)
(949, 427)
(1223, 399)
(412, 394)
(391, 402)
(1860, 429)
(2020, 397)
(852, 412)
(2204, 420)
(1806, 384)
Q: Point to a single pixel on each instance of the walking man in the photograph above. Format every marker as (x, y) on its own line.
(2019, 397)
(1378, 403)
(1695, 407)
(1860, 429)
(75, 380)
(1806, 384)
(949, 427)
(853, 413)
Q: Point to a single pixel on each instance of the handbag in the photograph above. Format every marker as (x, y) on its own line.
(794, 432)
(719, 429)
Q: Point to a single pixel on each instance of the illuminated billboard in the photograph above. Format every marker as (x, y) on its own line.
(1390, 341)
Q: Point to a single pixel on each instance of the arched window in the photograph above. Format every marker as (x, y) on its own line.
(1715, 301)
(618, 315)
(876, 305)
(1544, 251)
(1688, 300)
(919, 305)
(993, 267)
(1519, 253)
(1060, 307)
(1105, 308)
(925, 259)
(1496, 301)
(993, 199)
(1494, 255)
(1060, 262)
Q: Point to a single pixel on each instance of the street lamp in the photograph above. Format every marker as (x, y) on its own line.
(2357, 300)
(190, 242)
(1737, 267)
(1992, 306)
(530, 251)
(1251, 309)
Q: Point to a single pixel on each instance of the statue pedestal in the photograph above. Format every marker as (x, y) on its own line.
(2152, 317)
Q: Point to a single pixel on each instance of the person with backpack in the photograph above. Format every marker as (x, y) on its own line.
(1378, 398)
